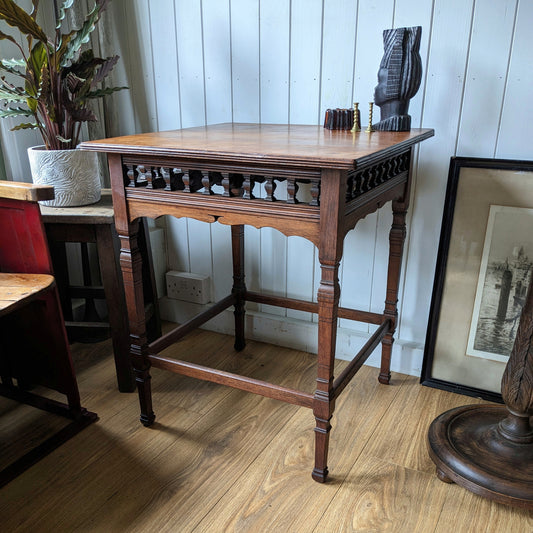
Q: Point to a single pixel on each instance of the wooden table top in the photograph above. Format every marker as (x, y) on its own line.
(310, 146)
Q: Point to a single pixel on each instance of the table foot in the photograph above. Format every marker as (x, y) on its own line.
(320, 475)
(384, 379)
(239, 345)
(147, 420)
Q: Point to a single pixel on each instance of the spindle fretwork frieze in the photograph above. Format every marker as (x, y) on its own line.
(180, 177)
(301, 180)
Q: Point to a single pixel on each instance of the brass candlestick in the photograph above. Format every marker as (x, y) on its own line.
(369, 129)
(356, 126)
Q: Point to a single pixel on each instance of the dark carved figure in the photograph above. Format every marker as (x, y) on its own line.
(399, 77)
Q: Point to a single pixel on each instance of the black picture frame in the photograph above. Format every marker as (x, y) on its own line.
(474, 185)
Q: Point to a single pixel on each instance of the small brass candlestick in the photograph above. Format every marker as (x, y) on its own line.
(369, 129)
(356, 126)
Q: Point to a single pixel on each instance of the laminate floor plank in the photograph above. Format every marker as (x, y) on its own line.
(406, 428)
(382, 497)
(470, 513)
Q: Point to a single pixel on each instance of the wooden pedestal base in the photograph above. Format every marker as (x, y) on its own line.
(469, 447)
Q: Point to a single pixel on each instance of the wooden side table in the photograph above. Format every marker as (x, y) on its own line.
(96, 224)
(349, 175)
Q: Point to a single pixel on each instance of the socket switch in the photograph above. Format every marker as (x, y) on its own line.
(188, 287)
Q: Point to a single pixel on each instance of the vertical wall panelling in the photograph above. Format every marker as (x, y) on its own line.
(445, 79)
(217, 60)
(114, 40)
(514, 140)
(274, 31)
(274, 267)
(357, 262)
(488, 62)
(338, 36)
(165, 59)
(139, 56)
(306, 41)
(245, 60)
(300, 266)
(177, 244)
(191, 62)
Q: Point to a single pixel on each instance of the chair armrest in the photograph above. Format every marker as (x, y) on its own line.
(25, 191)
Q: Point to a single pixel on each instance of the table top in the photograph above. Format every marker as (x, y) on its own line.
(98, 213)
(296, 145)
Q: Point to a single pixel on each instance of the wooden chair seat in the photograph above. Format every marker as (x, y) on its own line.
(17, 290)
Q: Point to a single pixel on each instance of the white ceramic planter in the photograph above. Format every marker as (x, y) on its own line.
(75, 175)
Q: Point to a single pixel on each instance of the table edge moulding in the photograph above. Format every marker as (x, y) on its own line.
(208, 173)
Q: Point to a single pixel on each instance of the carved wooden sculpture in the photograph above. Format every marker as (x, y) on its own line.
(488, 449)
(399, 76)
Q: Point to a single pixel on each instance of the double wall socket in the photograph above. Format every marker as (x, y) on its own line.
(188, 287)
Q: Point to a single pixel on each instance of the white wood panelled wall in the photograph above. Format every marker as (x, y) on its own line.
(196, 62)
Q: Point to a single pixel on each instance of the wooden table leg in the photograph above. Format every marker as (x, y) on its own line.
(396, 241)
(330, 253)
(58, 253)
(107, 246)
(131, 265)
(153, 324)
(239, 287)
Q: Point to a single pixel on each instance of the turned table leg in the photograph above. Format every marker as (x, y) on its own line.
(131, 265)
(239, 287)
(396, 242)
(324, 402)
(333, 194)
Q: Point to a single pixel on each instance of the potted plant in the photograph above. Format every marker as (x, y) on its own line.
(53, 83)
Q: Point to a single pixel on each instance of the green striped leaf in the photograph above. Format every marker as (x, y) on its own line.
(18, 18)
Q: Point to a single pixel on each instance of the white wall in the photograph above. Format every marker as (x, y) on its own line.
(195, 62)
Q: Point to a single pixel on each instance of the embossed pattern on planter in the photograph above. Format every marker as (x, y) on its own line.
(74, 174)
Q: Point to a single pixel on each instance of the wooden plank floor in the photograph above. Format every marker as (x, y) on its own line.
(220, 460)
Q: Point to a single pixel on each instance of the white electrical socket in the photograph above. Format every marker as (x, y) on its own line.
(188, 287)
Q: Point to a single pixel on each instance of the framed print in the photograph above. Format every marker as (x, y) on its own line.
(484, 267)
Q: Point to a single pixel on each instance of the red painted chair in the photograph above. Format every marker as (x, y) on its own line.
(34, 350)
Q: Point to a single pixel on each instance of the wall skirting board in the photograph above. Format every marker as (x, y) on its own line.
(296, 334)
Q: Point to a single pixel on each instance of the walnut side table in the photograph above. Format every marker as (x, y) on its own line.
(349, 175)
(96, 224)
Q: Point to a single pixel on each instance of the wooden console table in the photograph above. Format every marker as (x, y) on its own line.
(348, 176)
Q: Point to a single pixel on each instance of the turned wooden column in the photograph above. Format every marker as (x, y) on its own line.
(396, 242)
(131, 266)
(239, 287)
(488, 449)
(333, 192)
